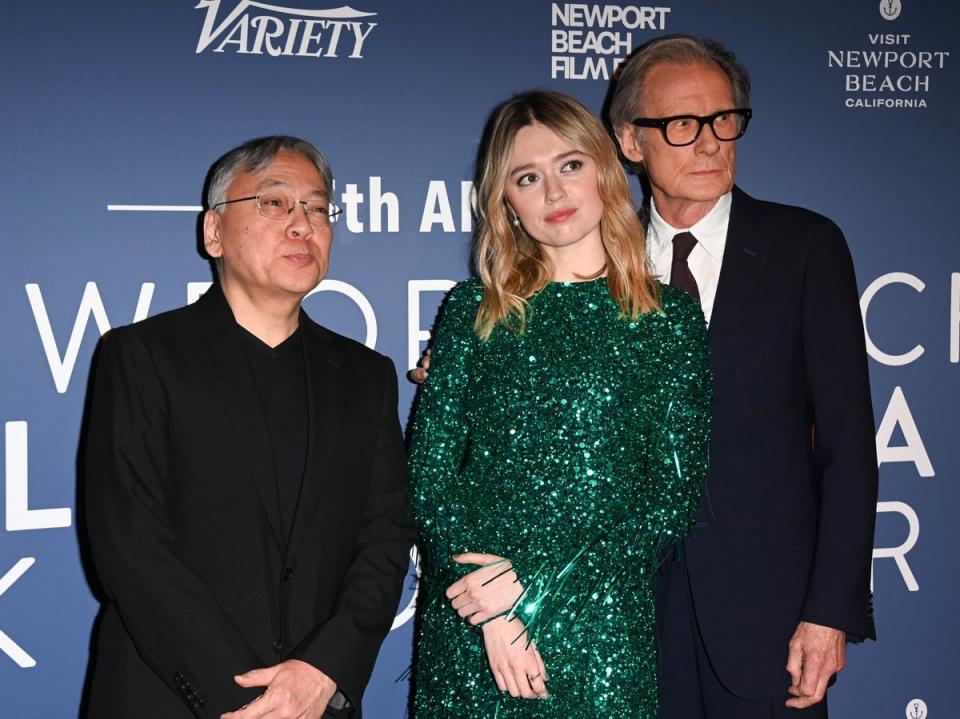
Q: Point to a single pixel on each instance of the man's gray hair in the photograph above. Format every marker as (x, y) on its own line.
(254, 156)
(628, 98)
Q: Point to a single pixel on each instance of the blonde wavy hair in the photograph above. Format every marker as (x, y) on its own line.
(509, 262)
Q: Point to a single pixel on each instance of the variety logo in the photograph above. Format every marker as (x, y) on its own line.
(256, 28)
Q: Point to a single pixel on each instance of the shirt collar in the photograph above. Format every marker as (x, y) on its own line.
(710, 231)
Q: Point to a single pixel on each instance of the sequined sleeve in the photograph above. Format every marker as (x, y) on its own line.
(624, 547)
(440, 429)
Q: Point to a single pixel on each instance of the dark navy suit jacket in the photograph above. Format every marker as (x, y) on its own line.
(785, 531)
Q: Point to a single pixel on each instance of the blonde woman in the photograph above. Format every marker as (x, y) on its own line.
(560, 441)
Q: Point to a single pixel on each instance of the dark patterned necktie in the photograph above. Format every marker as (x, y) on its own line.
(680, 275)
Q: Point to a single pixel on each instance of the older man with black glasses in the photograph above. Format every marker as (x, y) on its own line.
(754, 609)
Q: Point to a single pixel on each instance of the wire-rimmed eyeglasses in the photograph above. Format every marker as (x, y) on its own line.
(277, 206)
(680, 130)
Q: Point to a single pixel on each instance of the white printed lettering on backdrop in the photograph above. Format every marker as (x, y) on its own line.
(416, 332)
(889, 73)
(918, 286)
(899, 553)
(383, 208)
(91, 305)
(896, 415)
(7, 645)
(437, 209)
(588, 42)
(379, 201)
(18, 515)
(277, 30)
(891, 278)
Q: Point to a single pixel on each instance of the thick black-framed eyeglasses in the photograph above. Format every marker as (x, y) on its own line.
(681, 130)
(277, 206)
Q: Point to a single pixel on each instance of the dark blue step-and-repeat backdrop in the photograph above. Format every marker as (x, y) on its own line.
(113, 111)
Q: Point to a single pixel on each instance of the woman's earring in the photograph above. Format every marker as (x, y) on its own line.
(516, 221)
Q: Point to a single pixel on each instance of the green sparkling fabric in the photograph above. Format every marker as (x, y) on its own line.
(577, 450)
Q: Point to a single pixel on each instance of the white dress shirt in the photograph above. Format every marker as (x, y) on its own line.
(706, 256)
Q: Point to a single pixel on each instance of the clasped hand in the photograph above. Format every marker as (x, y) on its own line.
(294, 690)
(484, 595)
(485, 592)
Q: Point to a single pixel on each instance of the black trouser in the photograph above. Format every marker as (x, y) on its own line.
(689, 687)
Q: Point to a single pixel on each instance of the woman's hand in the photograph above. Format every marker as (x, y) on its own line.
(517, 668)
(486, 592)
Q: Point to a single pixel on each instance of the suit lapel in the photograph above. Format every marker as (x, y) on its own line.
(325, 397)
(222, 353)
(744, 260)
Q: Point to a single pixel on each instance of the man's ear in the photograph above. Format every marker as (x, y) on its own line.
(630, 145)
(211, 233)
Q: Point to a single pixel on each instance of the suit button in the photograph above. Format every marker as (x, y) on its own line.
(278, 646)
(288, 574)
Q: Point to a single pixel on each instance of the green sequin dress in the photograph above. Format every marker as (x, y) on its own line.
(576, 449)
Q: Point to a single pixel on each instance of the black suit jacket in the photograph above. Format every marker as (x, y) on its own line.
(184, 518)
(785, 531)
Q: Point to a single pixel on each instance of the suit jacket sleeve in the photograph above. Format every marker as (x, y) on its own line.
(177, 626)
(345, 646)
(844, 444)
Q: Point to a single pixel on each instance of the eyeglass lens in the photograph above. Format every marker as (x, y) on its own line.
(684, 130)
(277, 207)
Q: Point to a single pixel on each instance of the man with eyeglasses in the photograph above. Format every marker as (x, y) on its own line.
(776, 572)
(245, 486)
